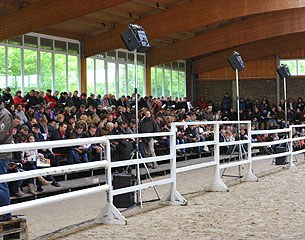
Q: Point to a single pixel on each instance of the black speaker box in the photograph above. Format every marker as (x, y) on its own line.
(236, 62)
(283, 71)
(135, 39)
(123, 180)
(280, 160)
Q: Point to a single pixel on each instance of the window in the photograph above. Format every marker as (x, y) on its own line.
(100, 76)
(168, 80)
(90, 75)
(39, 62)
(111, 76)
(30, 70)
(296, 66)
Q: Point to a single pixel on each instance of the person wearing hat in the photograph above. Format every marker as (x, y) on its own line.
(6, 135)
(18, 99)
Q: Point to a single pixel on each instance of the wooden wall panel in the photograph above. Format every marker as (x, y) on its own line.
(255, 69)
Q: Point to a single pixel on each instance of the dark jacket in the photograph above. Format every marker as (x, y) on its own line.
(6, 128)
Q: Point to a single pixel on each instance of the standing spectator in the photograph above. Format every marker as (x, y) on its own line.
(226, 102)
(149, 125)
(69, 100)
(76, 100)
(6, 129)
(31, 99)
(7, 97)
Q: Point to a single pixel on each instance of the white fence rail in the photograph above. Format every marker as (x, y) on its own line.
(110, 214)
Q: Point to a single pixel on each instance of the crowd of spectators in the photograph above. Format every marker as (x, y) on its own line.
(40, 116)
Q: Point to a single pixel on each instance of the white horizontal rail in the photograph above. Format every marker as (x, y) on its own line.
(195, 144)
(52, 199)
(262, 144)
(298, 138)
(221, 144)
(196, 166)
(141, 160)
(140, 135)
(52, 171)
(270, 156)
(282, 130)
(233, 164)
(142, 186)
(210, 123)
(50, 144)
(298, 152)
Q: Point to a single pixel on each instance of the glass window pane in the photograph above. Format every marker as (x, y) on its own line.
(167, 82)
(73, 48)
(60, 72)
(100, 76)
(2, 67)
(122, 79)
(291, 64)
(60, 46)
(159, 82)
(122, 56)
(301, 67)
(90, 75)
(30, 70)
(46, 44)
(153, 81)
(73, 77)
(175, 84)
(168, 65)
(141, 84)
(174, 65)
(46, 71)
(111, 78)
(30, 41)
(111, 55)
(131, 79)
(15, 41)
(141, 59)
(181, 84)
(130, 57)
(182, 66)
(14, 69)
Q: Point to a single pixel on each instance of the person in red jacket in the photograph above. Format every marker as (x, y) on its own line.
(49, 99)
(18, 99)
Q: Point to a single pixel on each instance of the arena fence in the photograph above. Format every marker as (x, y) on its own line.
(110, 214)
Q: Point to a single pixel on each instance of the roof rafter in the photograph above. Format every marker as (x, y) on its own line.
(250, 30)
(200, 13)
(49, 13)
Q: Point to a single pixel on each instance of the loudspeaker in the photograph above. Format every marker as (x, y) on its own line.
(123, 180)
(236, 61)
(280, 160)
(283, 71)
(135, 39)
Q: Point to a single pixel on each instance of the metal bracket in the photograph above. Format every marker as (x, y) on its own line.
(174, 200)
(111, 215)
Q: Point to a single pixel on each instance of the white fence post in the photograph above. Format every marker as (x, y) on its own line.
(173, 197)
(110, 214)
(217, 184)
(249, 176)
(291, 147)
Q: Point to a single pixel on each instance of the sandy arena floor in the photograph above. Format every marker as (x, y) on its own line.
(272, 208)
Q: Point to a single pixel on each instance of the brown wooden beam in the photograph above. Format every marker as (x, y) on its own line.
(253, 29)
(148, 81)
(250, 51)
(45, 13)
(187, 16)
(83, 79)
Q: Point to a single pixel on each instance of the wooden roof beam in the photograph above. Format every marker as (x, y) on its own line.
(250, 51)
(91, 22)
(151, 4)
(124, 14)
(11, 4)
(175, 19)
(49, 13)
(250, 30)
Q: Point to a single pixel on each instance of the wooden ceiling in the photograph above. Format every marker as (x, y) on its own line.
(205, 31)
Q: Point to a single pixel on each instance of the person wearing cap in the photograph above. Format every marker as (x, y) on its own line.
(6, 135)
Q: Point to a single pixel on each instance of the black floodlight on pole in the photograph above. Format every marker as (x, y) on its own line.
(136, 40)
(284, 73)
(237, 64)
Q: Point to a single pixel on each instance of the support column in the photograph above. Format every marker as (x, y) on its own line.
(148, 81)
(83, 75)
(190, 80)
(278, 82)
(234, 99)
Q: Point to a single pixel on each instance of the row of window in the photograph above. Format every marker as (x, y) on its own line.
(43, 62)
